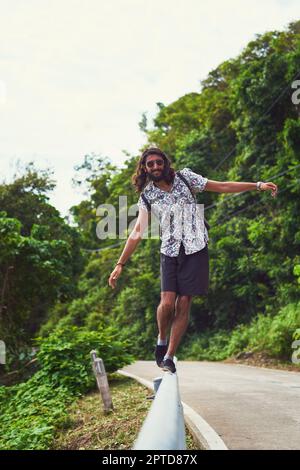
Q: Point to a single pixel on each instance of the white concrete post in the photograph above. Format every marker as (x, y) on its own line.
(102, 382)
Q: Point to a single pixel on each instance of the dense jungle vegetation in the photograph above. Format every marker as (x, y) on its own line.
(55, 303)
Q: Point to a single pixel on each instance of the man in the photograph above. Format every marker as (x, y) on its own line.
(184, 263)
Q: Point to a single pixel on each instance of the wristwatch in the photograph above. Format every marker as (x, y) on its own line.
(258, 185)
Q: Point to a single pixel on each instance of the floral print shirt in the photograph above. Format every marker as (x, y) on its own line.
(180, 218)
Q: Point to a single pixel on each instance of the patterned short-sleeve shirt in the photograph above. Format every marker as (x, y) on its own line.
(180, 218)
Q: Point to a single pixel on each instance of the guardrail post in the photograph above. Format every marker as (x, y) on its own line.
(102, 382)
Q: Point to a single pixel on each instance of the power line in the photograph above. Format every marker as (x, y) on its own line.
(222, 131)
(219, 164)
(263, 115)
(101, 249)
(254, 204)
(214, 138)
(210, 207)
(244, 192)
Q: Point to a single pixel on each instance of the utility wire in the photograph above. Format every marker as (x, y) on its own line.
(210, 207)
(219, 164)
(101, 249)
(263, 115)
(254, 204)
(244, 192)
(222, 131)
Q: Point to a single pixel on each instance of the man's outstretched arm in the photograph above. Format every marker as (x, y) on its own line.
(238, 187)
(130, 246)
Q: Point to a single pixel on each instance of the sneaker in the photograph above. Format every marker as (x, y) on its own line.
(168, 365)
(160, 352)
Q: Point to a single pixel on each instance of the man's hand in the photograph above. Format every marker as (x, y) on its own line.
(269, 187)
(131, 244)
(114, 276)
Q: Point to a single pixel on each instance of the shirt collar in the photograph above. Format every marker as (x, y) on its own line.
(151, 185)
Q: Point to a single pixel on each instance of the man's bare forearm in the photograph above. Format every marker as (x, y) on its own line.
(131, 244)
(237, 187)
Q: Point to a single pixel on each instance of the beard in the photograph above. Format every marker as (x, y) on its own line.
(159, 176)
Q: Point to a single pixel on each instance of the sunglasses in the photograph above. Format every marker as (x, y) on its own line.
(151, 164)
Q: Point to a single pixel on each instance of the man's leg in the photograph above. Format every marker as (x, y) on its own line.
(180, 322)
(165, 312)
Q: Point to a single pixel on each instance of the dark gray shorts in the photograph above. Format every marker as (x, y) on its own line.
(185, 274)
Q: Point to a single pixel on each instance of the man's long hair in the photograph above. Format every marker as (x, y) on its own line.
(140, 177)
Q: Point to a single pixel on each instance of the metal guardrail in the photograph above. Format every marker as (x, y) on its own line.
(163, 428)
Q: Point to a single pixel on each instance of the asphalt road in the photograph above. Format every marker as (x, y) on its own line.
(249, 407)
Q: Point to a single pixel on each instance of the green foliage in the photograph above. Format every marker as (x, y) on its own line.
(271, 334)
(64, 355)
(297, 272)
(34, 274)
(33, 410)
(296, 334)
(241, 126)
(40, 259)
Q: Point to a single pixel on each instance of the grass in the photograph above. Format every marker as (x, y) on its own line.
(90, 428)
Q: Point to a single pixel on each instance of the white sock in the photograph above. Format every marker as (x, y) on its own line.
(168, 357)
(162, 342)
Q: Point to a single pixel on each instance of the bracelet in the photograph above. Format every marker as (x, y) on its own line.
(258, 185)
(122, 264)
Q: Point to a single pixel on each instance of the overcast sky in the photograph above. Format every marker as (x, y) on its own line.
(76, 76)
